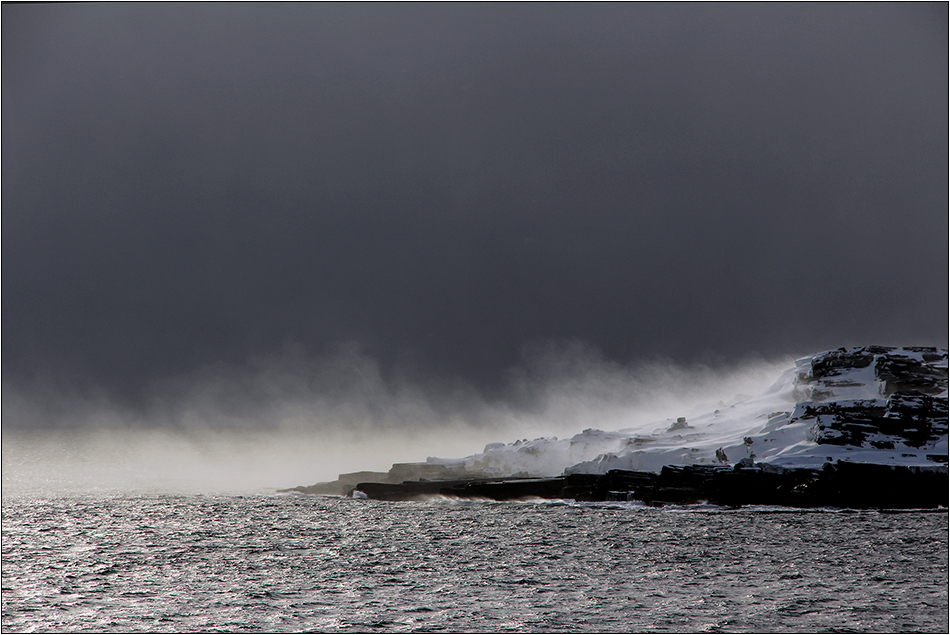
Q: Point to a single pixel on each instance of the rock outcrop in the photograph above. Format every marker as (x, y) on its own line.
(911, 411)
(859, 427)
(844, 484)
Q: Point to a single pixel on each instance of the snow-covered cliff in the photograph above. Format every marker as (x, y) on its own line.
(871, 404)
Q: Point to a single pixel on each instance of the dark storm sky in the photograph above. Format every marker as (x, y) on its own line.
(190, 184)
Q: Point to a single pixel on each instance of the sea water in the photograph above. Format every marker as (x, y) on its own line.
(299, 563)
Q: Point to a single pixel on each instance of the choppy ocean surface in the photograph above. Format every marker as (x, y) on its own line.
(295, 563)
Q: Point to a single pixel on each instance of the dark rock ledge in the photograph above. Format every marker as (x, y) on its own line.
(843, 484)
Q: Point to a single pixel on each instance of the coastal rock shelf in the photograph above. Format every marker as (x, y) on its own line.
(853, 485)
(860, 427)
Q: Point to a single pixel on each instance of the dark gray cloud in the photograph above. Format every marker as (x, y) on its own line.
(185, 184)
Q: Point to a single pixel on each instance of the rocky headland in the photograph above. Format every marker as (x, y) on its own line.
(859, 428)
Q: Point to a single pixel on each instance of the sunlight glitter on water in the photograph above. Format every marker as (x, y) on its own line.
(290, 563)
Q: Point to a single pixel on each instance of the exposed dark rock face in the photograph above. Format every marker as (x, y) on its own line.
(899, 373)
(408, 490)
(910, 413)
(853, 485)
(860, 422)
(342, 486)
(513, 489)
(919, 368)
(398, 474)
(834, 362)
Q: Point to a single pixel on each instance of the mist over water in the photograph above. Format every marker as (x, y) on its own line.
(292, 418)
